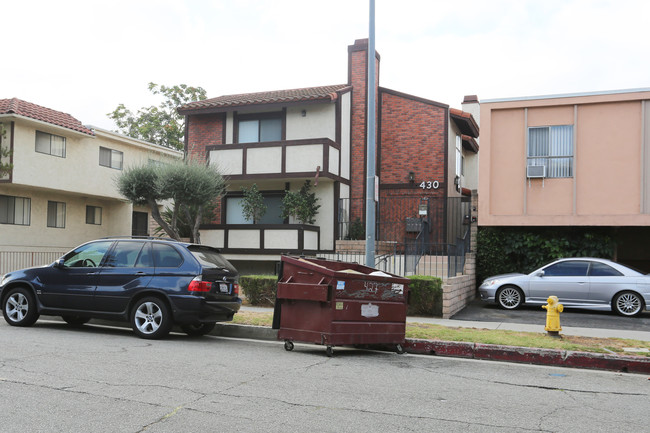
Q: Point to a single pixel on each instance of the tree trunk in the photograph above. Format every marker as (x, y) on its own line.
(155, 213)
(197, 224)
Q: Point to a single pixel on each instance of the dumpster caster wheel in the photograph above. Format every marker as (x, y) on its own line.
(329, 351)
(288, 346)
(399, 349)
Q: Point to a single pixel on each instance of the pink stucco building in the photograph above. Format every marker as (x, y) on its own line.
(576, 160)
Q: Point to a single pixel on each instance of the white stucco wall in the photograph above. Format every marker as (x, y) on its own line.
(319, 121)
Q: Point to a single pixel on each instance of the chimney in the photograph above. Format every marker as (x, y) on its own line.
(358, 79)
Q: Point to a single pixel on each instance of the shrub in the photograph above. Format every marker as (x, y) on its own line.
(357, 230)
(426, 296)
(259, 289)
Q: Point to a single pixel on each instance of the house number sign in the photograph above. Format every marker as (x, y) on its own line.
(430, 184)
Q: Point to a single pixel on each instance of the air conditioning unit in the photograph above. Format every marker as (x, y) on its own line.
(536, 171)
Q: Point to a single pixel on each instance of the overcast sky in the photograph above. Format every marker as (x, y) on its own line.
(86, 57)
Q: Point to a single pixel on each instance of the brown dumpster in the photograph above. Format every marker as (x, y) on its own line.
(334, 303)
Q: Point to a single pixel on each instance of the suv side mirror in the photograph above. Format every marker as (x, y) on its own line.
(59, 263)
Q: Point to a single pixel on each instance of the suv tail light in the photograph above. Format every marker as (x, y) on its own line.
(235, 289)
(198, 285)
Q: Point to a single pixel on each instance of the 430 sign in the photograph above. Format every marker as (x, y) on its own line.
(428, 184)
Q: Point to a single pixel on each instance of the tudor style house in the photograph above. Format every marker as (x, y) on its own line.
(578, 161)
(426, 166)
(61, 190)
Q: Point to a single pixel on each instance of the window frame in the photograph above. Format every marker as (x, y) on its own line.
(112, 152)
(281, 115)
(26, 211)
(552, 159)
(50, 136)
(94, 210)
(59, 211)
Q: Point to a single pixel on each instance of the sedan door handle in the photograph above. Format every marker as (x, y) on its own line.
(141, 273)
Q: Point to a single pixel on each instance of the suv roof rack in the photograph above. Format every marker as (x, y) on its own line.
(140, 237)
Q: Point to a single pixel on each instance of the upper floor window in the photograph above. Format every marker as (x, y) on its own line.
(56, 214)
(552, 147)
(111, 158)
(50, 144)
(93, 215)
(15, 210)
(259, 128)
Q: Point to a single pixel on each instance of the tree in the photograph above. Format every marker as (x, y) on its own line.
(301, 205)
(5, 154)
(190, 186)
(253, 207)
(161, 125)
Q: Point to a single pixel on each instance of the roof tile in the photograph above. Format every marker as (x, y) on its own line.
(47, 115)
(276, 96)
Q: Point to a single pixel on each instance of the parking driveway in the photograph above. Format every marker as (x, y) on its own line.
(480, 311)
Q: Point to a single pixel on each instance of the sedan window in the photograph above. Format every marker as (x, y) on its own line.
(88, 255)
(567, 269)
(603, 270)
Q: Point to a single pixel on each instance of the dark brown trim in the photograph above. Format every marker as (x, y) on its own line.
(297, 175)
(284, 143)
(413, 98)
(235, 128)
(283, 133)
(224, 128)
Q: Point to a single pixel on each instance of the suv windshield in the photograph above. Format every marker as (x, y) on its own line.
(210, 258)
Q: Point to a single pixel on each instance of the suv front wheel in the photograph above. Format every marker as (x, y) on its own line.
(151, 318)
(19, 307)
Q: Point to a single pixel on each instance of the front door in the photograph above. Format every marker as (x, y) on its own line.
(567, 280)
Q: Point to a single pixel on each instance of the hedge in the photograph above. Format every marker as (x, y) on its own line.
(259, 289)
(426, 296)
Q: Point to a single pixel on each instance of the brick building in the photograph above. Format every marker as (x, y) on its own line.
(426, 164)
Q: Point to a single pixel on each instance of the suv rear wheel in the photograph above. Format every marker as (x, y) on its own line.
(198, 329)
(150, 318)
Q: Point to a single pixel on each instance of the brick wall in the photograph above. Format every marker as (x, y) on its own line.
(204, 130)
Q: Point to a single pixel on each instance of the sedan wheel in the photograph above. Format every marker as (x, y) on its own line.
(628, 304)
(151, 319)
(19, 307)
(510, 298)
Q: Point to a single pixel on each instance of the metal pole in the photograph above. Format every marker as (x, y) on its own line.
(370, 160)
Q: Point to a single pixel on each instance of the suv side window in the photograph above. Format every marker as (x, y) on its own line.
(567, 269)
(88, 255)
(124, 255)
(166, 256)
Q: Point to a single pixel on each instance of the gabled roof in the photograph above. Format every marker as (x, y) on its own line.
(222, 103)
(465, 122)
(43, 114)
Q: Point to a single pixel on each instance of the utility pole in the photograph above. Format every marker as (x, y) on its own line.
(370, 145)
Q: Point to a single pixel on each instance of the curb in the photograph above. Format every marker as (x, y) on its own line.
(491, 352)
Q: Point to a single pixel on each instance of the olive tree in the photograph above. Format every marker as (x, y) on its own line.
(191, 187)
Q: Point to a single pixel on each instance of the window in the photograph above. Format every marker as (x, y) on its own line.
(603, 270)
(125, 254)
(15, 210)
(552, 147)
(567, 269)
(259, 129)
(273, 213)
(93, 215)
(56, 214)
(110, 158)
(50, 144)
(166, 256)
(88, 255)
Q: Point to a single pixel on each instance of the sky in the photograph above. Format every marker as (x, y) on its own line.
(86, 57)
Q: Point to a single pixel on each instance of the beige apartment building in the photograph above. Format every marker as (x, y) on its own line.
(575, 160)
(61, 190)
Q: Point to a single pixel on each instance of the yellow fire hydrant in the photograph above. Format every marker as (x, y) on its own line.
(553, 310)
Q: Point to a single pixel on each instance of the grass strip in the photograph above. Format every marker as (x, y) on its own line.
(426, 331)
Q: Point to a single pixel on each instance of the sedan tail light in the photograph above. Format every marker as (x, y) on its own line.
(198, 285)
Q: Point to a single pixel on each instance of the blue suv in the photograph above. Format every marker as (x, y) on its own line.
(152, 283)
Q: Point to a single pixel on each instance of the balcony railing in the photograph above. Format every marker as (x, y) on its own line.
(289, 158)
(262, 238)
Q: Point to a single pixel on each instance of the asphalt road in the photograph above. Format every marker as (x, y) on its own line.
(54, 378)
(481, 311)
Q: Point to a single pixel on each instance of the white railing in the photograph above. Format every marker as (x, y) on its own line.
(14, 260)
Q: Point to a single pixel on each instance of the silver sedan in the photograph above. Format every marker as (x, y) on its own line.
(590, 283)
